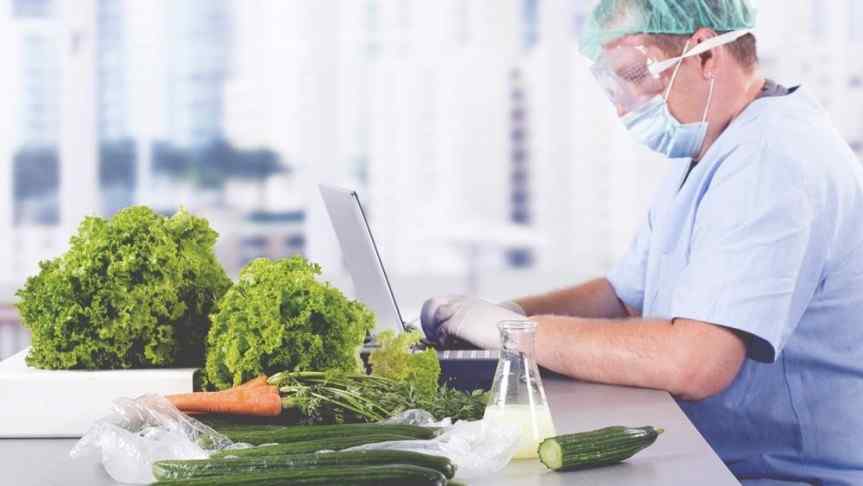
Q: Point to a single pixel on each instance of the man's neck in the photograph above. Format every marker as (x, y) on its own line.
(747, 87)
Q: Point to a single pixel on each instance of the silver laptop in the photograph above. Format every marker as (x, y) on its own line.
(367, 271)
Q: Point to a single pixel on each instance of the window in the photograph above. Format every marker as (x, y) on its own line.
(32, 8)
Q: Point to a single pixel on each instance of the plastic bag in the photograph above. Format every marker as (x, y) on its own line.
(475, 450)
(416, 416)
(142, 431)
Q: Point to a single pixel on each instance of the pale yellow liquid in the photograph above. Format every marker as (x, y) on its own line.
(534, 426)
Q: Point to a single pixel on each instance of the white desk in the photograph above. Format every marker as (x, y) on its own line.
(679, 456)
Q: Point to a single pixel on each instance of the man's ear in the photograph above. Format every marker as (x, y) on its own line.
(711, 59)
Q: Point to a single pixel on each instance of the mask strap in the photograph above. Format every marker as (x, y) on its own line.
(709, 100)
(676, 70)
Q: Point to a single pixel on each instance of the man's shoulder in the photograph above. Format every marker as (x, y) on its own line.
(781, 118)
(790, 138)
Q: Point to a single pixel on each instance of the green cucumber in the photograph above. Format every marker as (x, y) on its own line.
(265, 434)
(385, 475)
(187, 469)
(218, 421)
(331, 444)
(602, 447)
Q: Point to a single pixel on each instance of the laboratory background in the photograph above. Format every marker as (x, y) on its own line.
(488, 159)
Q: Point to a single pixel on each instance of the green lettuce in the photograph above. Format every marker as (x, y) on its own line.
(394, 359)
(132, 291)
(277, 317)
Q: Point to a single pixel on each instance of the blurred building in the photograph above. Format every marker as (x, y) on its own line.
(38, 118)
(113, 69)
(33, 38)
(487, 156)
(200, 38)
(39, 73)
(520, 182)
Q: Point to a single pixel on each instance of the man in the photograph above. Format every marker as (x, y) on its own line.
(743, 292)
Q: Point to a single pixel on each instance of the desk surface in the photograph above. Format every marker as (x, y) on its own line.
(680, 455)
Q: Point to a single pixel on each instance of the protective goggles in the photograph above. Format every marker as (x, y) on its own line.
(631, 77)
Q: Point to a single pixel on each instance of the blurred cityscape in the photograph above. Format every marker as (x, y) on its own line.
(487, 157)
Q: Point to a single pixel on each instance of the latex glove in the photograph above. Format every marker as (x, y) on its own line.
(429, 317)
(471, 319)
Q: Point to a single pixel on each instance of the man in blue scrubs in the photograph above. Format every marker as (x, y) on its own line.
(742, 294)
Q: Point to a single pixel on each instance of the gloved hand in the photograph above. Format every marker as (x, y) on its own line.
(471, 319)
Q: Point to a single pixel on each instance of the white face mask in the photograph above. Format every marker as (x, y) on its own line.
(653, 124)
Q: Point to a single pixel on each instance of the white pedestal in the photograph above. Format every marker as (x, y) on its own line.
(61, 403)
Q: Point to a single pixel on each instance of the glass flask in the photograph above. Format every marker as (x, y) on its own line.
(517, 395)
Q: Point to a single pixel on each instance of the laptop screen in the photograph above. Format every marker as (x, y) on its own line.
(361, 257)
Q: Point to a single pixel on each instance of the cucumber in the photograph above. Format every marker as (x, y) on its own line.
(265, 434)
(220, 467)
(331, 444)
(595, 448)
(386, 475)
(218, 421)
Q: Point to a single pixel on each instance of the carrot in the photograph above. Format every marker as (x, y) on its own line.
(255, 397)
(257, 381)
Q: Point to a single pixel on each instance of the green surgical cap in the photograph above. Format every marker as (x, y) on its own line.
(613, 19)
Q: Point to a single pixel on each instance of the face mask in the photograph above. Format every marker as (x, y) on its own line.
(654, 126)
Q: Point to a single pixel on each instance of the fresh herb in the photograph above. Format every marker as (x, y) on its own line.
(419, 374)
(328, 398)
(334, 398)
(278, 317)
(134, 290)
(395, 360)
(456, 404)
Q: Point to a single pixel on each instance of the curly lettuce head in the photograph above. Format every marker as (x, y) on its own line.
(395, 359)
(132, 291)
(279, 317)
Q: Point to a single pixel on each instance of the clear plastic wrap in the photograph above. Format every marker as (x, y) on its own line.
(147, 429)
(475, 450)
(416, 416)
(142, 431)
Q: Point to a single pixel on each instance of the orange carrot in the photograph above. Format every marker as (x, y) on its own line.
(257, 381)
(254, 397)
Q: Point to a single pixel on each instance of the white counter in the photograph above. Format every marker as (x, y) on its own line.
(679, 456)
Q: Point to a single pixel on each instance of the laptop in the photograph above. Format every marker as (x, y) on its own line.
(462, 368)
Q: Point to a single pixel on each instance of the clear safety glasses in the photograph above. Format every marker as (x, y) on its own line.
(631, 77)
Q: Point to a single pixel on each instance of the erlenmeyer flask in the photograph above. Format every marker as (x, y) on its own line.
(517, 395)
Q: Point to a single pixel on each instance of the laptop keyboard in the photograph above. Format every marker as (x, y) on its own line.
(468, 354)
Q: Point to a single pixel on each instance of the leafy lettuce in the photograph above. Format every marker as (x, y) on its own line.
(394, 359)
(132, 291)
(279, 317)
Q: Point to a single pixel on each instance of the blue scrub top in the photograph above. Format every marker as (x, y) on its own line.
(766, 237)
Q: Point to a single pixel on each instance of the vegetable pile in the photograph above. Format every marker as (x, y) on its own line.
(279, 317)
(132, 291)
(400, 380)
(142, 290)
(318, 397)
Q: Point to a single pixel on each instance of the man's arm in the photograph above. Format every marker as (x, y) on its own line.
(594, 299)
(690, 359)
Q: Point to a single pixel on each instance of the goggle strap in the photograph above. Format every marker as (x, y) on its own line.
(712, 43)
